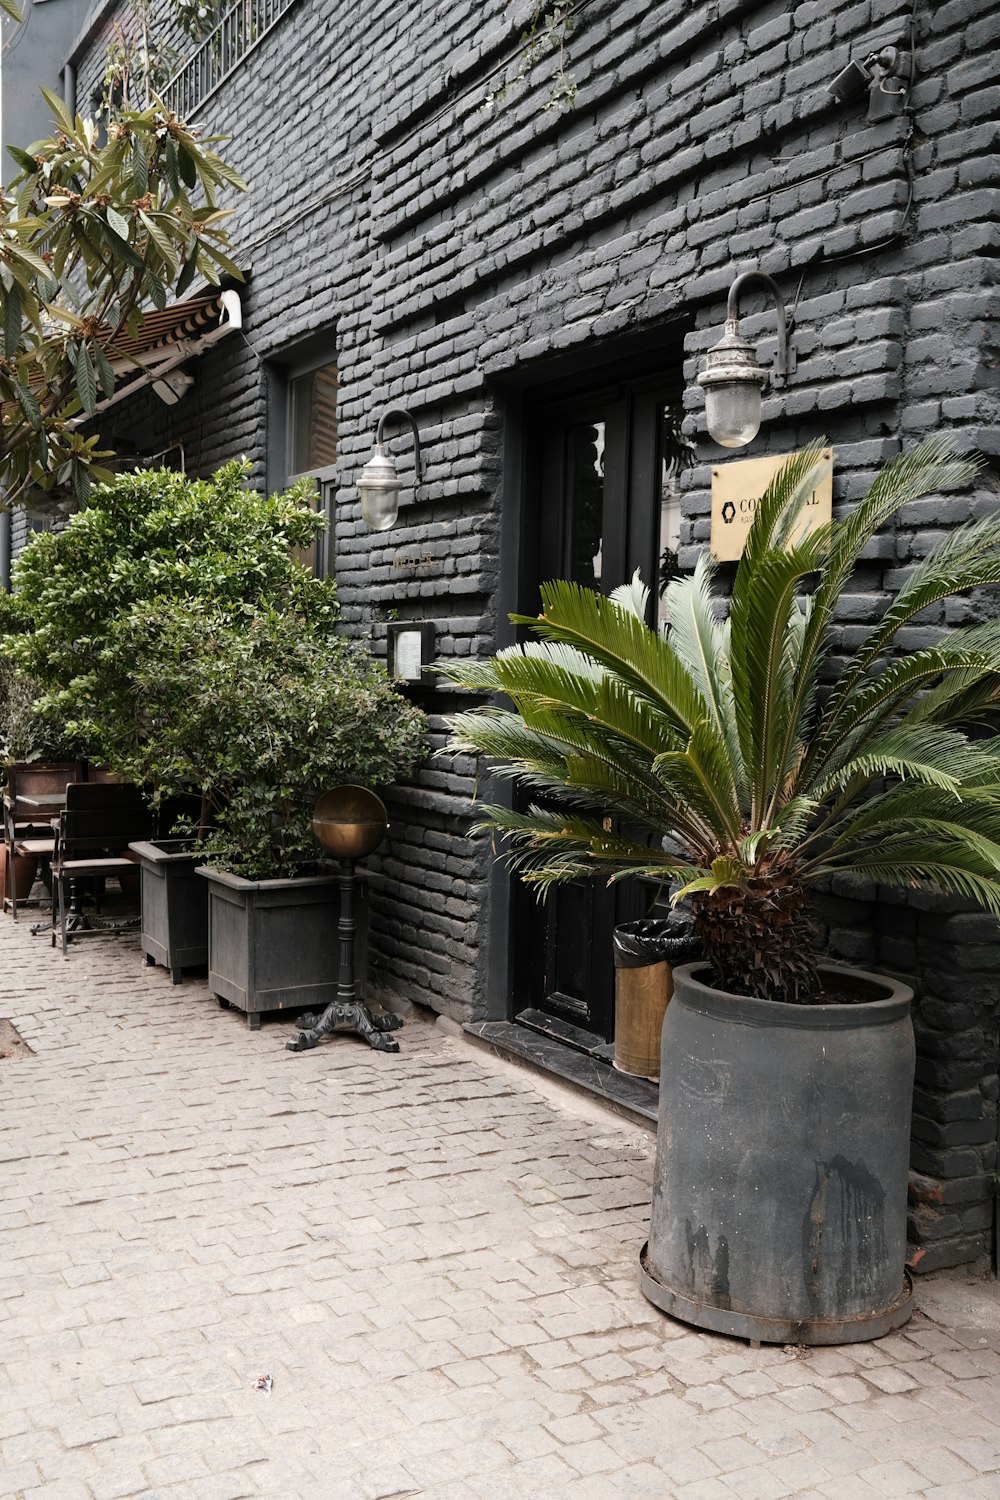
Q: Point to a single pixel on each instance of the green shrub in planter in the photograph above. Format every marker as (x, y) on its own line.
(27, 732)
(154, 541)
(721, 755)
(730, 755)
(177, 633)
(262, 716)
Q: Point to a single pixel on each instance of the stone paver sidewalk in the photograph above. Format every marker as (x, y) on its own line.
(432, 1257)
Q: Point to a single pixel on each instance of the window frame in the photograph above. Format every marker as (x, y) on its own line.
(316, 353)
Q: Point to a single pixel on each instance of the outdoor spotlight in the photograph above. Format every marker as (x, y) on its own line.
(379, 485)
(851, 82)
(872, 76)
(732, 378)
(170, 388)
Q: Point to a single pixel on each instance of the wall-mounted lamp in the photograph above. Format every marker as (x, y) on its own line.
(732, 379)
(379, 485)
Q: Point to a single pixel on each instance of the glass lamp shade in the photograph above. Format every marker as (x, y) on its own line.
(732, 381)
(378, 490)
(732, 412)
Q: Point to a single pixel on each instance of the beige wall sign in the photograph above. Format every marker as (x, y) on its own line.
(736, 488)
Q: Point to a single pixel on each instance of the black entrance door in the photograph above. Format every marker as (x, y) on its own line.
(604, 503)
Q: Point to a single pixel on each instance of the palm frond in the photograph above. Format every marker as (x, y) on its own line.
(562, 756)
(968, 698)
(847, 722)
(718, 732)
(922, 752)
(536, 685)
(633, 596)
(792, 822)
(483, 675)
(547, 848)
(883, 815)
(478, 675)
(622, 644)
(778, 513)
(702, 776)
(514, 750)
(700, 639)
(932, 465)
(948, 832)
(929, 866)
(967, 559)
(763, 668)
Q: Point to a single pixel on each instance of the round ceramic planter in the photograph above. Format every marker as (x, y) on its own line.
(779, 1205)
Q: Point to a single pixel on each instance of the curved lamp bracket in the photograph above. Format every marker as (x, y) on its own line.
(784, 360)
(401, 412)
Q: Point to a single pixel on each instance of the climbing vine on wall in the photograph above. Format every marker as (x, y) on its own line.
(548, 29)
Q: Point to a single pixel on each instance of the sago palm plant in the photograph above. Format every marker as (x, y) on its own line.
(726, 754)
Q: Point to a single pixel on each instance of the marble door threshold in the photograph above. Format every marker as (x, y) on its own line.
(635, 1098)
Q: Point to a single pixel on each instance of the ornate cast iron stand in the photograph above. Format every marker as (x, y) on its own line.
(350, 823)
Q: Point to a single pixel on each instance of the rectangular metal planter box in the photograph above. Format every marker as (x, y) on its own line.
(174, 906)
(272, 944)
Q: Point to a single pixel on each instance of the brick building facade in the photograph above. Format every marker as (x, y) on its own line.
(530, 282)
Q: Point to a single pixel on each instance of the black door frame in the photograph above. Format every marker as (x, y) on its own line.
(653, 355)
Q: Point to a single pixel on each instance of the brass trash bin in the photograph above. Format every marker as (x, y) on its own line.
(645, 955)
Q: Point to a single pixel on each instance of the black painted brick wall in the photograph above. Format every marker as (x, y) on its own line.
(445, 245)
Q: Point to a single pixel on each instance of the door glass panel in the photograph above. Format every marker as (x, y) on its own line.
(675, 456)
(585, 485)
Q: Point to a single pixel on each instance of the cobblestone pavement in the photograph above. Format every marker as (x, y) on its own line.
(432, 1256)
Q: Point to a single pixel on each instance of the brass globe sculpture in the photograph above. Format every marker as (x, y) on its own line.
(349, 822)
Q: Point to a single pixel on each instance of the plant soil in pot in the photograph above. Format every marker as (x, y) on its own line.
(779, 1205)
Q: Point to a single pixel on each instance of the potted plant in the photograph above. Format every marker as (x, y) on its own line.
(739, 760)
(174, 627)
(151, 544)
(262, 716)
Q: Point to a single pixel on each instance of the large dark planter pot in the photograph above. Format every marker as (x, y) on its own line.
(273, 944)
(174, 906)
(779, 1205)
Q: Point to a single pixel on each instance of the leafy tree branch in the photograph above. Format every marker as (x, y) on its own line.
(94, 228)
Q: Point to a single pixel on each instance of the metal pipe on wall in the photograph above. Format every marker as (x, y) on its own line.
(69, 87)
(5, 550)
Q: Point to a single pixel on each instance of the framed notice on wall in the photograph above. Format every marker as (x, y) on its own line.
(736, 488)
(411, 652)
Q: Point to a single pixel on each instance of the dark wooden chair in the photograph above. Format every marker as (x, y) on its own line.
(32, 801)
(96, 826)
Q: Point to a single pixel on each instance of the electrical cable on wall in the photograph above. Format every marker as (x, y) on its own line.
(821, 258)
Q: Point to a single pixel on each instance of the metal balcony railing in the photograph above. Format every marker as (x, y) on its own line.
(242, 27)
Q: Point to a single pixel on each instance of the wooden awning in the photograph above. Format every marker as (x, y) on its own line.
(167, 339)
(160, 330)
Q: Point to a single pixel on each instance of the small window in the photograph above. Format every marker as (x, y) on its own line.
(304, 438)
(312, 420)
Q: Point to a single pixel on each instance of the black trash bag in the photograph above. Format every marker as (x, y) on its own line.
(654, 940)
